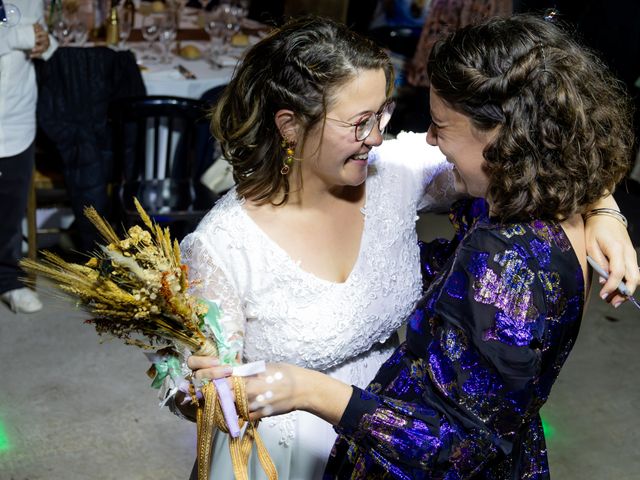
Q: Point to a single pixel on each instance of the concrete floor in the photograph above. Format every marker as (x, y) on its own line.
(74, 409)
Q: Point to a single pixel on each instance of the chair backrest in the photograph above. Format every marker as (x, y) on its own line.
(153, 136)
(154, 151)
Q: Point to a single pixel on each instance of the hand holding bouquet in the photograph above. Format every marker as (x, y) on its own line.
(136, 289)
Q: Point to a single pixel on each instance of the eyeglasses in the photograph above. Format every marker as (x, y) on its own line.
(365, 125)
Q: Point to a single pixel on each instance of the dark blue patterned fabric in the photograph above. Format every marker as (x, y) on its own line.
(460, 398)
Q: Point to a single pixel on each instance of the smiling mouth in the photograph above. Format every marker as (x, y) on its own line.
(361, 157)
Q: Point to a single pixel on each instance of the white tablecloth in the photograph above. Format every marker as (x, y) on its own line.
(165, 79)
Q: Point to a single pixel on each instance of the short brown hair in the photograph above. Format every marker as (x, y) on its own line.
(299, 67)
(565, 135)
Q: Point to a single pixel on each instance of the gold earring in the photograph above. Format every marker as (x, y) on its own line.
(288, 159)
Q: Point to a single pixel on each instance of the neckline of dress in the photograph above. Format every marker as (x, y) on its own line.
(365, 210)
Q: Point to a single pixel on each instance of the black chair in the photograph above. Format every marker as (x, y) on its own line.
(154, 149)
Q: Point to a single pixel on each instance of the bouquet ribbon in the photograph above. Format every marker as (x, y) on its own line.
(211, 416)
(168, 366)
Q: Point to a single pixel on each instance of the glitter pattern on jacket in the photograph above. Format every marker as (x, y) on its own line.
(460, 398)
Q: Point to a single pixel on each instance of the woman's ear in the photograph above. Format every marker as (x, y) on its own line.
(287, 125)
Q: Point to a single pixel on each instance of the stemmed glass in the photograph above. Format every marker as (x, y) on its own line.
(63, 32)
(241, 9)
(124, 31)
(80, 33)
(227, 14)
(150, 32)
(215, 28)
(168, 33)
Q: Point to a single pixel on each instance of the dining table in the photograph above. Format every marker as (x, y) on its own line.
(184, 77)
(188, 76)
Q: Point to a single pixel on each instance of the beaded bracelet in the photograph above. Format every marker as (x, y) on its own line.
(611, 212)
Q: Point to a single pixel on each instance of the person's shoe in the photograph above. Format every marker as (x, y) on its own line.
(22, 300)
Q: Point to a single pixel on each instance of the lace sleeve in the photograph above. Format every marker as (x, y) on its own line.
(210, 282)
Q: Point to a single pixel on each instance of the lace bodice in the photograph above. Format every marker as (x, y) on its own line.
(288, 314)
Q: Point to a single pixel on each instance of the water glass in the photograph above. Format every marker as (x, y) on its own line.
(124, 31)
(150, 32)
(80, 33)
(168, 33)
(63, 32)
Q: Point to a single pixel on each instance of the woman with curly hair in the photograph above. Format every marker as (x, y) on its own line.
(537, 129)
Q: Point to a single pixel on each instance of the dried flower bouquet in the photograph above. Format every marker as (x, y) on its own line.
(136, 288)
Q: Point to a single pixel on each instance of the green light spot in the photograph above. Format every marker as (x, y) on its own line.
(4, 439)
(549, 430)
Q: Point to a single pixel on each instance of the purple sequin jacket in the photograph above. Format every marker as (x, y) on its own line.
(460, 397)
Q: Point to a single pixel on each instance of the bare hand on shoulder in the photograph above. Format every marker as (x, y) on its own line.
(608, 243)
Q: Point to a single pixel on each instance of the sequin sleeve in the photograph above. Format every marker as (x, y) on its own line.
(483, 348)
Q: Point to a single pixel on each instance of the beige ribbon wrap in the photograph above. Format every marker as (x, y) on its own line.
(210, 416)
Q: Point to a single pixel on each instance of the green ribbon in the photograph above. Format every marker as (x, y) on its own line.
(168, 366)
(226, 350)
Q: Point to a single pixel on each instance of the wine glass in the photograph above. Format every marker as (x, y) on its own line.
(241, 9)
(150, 32)
(232, 23)
(215, 29)
(80, 33)
(168, 32)
(124, 31)
(10, 15)
(63, 32)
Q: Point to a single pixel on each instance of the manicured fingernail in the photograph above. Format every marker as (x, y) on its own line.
(617, 304)
(602, 280)
(604, 295)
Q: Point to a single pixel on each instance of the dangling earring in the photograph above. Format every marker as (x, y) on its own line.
(288, 160)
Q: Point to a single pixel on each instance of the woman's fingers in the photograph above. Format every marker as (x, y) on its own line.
(632, 272)
(622, 265)
(609, 244)
(208, 367)
(195, 362)
(213, 373)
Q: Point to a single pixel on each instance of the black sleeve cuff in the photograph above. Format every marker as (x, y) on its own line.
(360, 403)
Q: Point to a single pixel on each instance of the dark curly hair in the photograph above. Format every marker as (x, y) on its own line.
(565, 135)
(300, 67)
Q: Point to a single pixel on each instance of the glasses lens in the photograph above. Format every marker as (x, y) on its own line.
(385, 116)
(364, 127)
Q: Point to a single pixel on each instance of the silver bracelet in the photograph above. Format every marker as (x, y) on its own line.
(610, 212)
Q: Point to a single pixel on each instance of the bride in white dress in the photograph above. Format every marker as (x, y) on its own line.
(313, 256)
(343, 327)
(316, 268)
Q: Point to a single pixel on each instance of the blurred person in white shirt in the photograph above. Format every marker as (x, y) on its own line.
(20, 44)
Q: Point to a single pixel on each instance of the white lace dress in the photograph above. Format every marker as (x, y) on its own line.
(287, 314)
